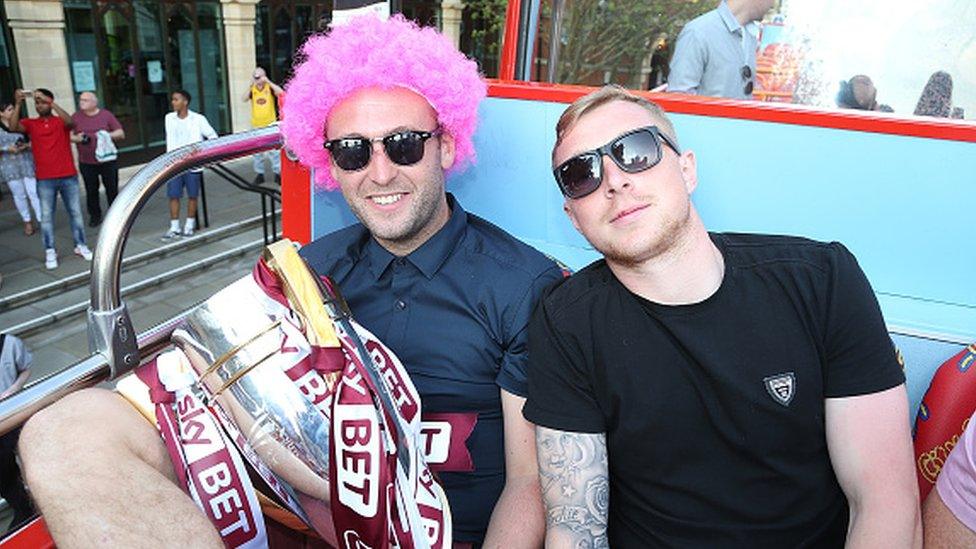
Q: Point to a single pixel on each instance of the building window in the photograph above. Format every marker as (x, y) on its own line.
(133, 53)
(281, 28)
(9, 77)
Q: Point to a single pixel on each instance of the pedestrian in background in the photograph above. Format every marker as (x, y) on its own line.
(17, 169)
(184, 127)
(54, 168)
(263, 93)
(715, 54)
(91, 125)
(15, 363)
(936, 98)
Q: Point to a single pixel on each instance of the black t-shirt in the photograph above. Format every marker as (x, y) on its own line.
(714, 412)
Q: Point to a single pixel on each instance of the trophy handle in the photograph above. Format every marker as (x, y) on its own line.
(302, 290)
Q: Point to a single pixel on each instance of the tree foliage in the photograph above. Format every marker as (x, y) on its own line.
(597, 37)
(487, 19)
(613, 38)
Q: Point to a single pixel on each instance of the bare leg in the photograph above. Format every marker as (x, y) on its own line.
(941, 527)
(102, 478)
(174, 208)
(191, 208)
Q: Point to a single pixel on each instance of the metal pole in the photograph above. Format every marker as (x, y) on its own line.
(264, 219)
(19, 407)
(528, 29)
(274, 222)
(135, 195)
(203, 203)
(554, 42)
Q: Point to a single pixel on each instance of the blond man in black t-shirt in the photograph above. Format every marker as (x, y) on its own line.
(694, 389)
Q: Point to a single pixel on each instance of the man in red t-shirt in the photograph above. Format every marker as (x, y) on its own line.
(54, 168)
(89, 122)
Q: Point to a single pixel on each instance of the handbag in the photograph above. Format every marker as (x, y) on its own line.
(105, 150)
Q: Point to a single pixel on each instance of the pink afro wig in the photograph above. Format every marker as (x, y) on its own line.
(369, 52)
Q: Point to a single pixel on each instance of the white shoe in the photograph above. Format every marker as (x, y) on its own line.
(83, 251)
(171, 235)
(187, 231)
(50, 259)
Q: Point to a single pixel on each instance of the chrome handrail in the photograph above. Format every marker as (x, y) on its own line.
(111, 339)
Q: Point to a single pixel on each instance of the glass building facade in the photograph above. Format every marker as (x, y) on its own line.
(282, 26)
(9, 77)
(133, 53)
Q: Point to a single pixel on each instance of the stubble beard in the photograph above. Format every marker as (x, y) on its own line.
(412, 232)
(670, 233)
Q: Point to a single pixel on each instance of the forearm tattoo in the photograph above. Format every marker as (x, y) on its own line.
(575, 485)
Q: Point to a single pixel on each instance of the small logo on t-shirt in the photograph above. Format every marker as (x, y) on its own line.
(261, 101)
(781, 387)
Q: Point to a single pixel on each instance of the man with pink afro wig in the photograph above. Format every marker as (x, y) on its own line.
(384, 110)
(370, 52)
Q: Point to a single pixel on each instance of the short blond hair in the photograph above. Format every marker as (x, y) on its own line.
(602, 96)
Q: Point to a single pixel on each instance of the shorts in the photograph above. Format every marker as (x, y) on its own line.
(188, 180)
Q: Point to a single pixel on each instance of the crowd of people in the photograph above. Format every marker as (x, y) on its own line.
(37, 164)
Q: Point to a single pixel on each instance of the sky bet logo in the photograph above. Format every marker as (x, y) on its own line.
(357, 453)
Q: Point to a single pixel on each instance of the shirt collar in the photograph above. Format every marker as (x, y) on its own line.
(429, 257)
(730, 21)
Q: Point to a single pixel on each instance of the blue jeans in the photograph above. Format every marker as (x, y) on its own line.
(47, 190)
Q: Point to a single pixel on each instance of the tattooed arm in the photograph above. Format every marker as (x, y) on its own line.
(575, 487)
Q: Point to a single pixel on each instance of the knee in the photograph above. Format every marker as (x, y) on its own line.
(78, 425)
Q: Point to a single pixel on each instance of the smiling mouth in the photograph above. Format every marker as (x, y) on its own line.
(387, 199)
(627, 212)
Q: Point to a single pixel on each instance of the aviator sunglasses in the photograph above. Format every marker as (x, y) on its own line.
(403, 148)
(634, 151)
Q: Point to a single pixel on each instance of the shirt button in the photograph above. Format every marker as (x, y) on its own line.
(401, 305)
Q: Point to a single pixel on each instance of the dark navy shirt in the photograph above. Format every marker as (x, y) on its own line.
(455, 312)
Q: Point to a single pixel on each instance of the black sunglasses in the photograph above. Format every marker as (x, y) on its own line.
(403, 148)
(747, 76)
(634, 151)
